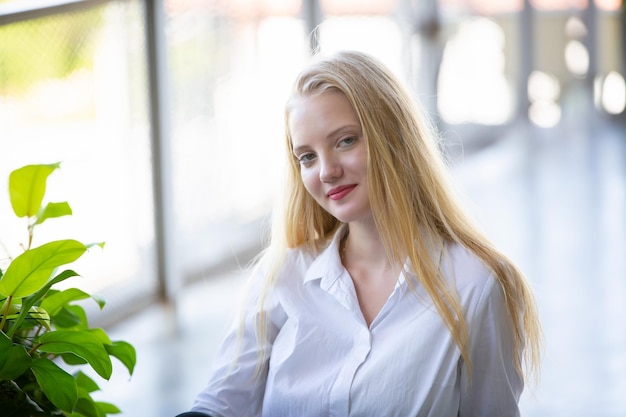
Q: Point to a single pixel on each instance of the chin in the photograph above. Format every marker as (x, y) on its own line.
(352, 217)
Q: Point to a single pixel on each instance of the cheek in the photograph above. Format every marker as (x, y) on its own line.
(310, 180)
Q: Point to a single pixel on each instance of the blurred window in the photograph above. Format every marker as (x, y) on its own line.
(481, 92)
(486, 7)
(231, 64)
(358, 7)
(73, 90)
(607, 5)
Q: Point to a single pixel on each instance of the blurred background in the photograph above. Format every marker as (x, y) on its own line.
(167, 119)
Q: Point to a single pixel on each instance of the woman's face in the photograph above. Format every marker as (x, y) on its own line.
(328, 144)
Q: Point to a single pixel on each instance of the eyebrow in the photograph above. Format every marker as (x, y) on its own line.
(331, 134)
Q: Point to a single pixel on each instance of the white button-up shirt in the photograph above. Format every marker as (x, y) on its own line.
(324, 360)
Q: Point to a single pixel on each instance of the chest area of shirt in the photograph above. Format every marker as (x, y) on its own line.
(327, 351)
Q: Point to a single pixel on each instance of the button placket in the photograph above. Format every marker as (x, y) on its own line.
(340, 392)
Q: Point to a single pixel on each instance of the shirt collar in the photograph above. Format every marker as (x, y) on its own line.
(327, 265)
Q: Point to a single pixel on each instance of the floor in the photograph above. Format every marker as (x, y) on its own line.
(553, 199)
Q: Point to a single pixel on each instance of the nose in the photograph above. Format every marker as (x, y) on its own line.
(330, 169)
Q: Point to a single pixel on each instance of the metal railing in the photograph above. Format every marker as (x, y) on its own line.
(28, 10)
(18, 11)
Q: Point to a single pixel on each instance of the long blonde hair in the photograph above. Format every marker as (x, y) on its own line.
(412, 204)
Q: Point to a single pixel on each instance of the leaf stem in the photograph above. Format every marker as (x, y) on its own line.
(31, 232)
(6, 311)
(32, 351)
(38, 331)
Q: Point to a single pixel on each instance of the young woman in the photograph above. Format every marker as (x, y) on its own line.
(376, 296)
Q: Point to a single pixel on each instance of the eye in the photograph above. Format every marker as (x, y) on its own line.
(306, 158)
(347, 141)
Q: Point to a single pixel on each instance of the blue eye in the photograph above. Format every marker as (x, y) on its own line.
(348, 141)
(306, 158)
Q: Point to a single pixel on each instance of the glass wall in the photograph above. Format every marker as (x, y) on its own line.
(73, 89)
(230, 65)
(573, 48)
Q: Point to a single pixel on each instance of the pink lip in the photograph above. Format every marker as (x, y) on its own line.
(340, 192)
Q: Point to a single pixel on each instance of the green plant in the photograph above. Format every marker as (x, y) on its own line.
(44, 331)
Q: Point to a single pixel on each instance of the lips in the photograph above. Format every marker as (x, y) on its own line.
(340, 192)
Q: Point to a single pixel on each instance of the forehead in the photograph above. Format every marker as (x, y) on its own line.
(320, 115)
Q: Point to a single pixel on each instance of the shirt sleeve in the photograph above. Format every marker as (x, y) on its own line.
(237, 378)
(494, 387)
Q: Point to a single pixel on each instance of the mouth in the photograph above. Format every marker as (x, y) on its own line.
(340, 192)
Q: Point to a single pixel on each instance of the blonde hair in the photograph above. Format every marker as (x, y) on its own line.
(412, 204)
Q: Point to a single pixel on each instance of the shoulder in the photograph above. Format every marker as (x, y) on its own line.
(297, 260)
(464, 267)
(288, 270)
(472, 278)
(273, 262)
(301, 254)
(275, 269)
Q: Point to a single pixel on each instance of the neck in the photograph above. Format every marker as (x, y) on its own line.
(364, 246)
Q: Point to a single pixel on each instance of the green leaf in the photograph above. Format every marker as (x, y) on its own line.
(58, 385)
(68, 273)
(87, 344)
(86, 407)
(101, 335)
(99, 300)
(85, 383)
(33, 314)
(124, 352)
(106, 408)
(12, 310)
(67, 319)
(71, 359)
(57, 301)
(78, 313)
(53, 210)
(30, 271)
(14, 360)
(33, 299)
(27, 186)
(71, 318)
(40, 315)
